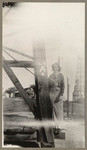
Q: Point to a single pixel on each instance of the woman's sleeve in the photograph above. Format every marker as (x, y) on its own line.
(62, 85)
(50, 82)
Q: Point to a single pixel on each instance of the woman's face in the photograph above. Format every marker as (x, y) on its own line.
(55, 69)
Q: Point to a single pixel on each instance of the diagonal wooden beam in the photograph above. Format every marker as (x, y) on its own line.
(17, 84)
(13, 63)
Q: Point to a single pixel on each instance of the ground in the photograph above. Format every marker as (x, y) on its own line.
(74, 135)
(16, 112)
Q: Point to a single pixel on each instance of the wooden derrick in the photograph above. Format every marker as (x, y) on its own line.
(44, 107)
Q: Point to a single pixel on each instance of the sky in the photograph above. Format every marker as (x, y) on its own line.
(60, 25)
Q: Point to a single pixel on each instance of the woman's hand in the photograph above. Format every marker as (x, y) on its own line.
(61, 98)
(58, 98)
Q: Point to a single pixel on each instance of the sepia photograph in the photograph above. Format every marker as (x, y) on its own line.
(43, 75)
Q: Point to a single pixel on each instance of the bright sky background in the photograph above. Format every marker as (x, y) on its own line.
(60, 25)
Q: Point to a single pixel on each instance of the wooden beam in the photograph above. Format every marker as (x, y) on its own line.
(24, 130)
(17, 84)
(13, 63)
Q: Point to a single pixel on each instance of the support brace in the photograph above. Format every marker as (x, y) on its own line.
(17, 84)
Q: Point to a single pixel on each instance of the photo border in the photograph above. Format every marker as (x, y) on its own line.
(49, 1)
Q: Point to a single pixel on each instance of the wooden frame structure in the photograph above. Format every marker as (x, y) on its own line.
(44, 107)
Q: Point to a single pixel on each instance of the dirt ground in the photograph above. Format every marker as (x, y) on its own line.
(74, 134)
(74, 128)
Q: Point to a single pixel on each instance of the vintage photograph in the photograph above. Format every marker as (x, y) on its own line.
(43, 75)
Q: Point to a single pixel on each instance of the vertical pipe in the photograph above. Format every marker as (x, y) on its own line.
(72, 108)
(67, 97)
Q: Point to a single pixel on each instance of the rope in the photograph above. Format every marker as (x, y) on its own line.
(15, 51)
(29, 71)
(9, 54)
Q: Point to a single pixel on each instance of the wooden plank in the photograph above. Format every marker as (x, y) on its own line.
(43, 98)
(17, 84)
(13, 63)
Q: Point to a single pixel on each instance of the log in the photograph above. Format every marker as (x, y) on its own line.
(24, 130)
(23, 143)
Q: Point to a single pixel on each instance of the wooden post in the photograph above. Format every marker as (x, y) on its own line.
(43, 98)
